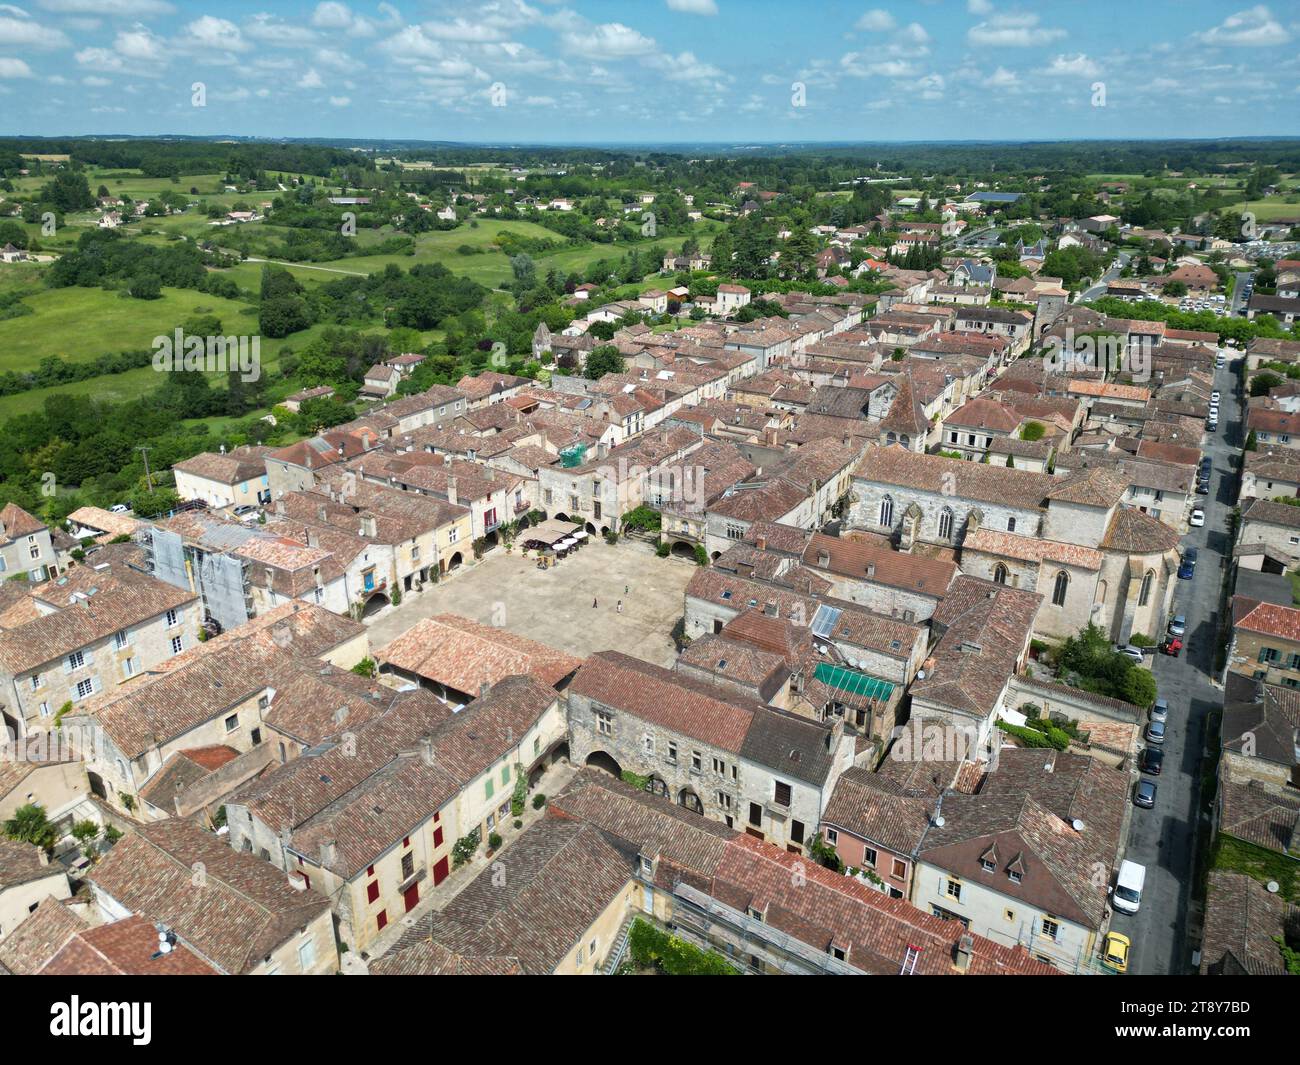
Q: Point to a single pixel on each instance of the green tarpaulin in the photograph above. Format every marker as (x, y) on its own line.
(853, 681)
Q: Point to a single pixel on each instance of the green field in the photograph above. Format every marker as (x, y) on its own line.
(80, 323)
(1271, 209)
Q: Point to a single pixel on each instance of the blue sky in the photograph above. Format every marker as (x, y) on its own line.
(652, 70)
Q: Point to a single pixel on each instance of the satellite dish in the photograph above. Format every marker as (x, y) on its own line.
(939, 822)
(1273, 887)
(1077, 825)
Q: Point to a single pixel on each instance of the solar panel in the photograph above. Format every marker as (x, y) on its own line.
(824, 620)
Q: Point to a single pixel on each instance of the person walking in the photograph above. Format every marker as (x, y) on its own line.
(619, 608)
(593, 604)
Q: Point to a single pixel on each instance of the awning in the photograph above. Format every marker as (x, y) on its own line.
(854, 682)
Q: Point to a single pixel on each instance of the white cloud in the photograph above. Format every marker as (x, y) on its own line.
(208, 33)
(870, 64)
(610, 40)
(693, 7)
(875, 21)
(14, 68)
(100, 59)
(335, 16)
(310, 80)
(24, 32)
(979, 7)
(1012, 31)
(684, 67)
(1069, 66)
(1002, 78)
(340, 101)
(411, 43)
(276, 31)
(140, 44)
(1255, 26)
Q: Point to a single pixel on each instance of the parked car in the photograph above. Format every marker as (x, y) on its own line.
(1212, 425)
(1144, 795)
(1151, 761)
(1172, 647)
(1160, 710)
(1177, 625)
(120, 508)
(1133, 654)
(1187, 567)
(1214, 398)
(1156, 732)
(1197, 518)
(1115, 951)
(245, 512)
(1202, 488)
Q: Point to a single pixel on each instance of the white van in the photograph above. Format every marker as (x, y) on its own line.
(1127, 895)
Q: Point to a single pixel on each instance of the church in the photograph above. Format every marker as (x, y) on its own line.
(1069, 539)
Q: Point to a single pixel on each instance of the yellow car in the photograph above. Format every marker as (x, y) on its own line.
(1114, 952)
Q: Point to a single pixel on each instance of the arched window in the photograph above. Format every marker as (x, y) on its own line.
(890, 438)
(887, 512)
(1000, 574)
(1145, 594)
(945, 524)
(1011, 525)
(906, 441)
(1059, 589)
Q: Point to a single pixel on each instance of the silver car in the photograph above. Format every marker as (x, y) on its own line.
(1160, 711)
(1156, 732)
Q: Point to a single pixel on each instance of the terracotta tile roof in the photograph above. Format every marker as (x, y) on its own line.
(985, 628)
(240, 912)
(124, 948)
(707, 712)
(464, 654)
(1266, 817)
(878, 563)
(20, 863)
(982, 413)
(1022, 818)
(235, 466)
(40, 936)
(16, 522)
(1093, 488)
(968, 480)
(1243, 921)
(1032, 549)
(881, 815)
(1134, 533)
(92, 605)
(810, 903)
(527, 912)
(395, 772)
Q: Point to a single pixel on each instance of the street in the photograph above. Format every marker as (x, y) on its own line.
(1113, 271)
(1162, 839)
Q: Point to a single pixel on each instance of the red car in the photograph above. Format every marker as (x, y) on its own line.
(1172, 646)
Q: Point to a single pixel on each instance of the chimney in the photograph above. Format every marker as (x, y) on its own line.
(483, 688)
(320, 513)
(41, 856)
(761, 543)
(451, 490)
(312, 541)
(368, 526)
(823, 558)
(963, 952)
(769, 609)
(329, 853)
(871, 569)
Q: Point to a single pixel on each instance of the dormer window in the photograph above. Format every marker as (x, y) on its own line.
(987, 865)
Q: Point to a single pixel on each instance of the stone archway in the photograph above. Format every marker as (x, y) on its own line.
(687, 799)
(606, 762)
(374, 605)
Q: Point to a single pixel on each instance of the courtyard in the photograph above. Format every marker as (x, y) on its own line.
(554, 606)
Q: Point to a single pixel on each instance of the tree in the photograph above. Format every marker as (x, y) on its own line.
(30, 825)
(602, 360)
(1033, 431)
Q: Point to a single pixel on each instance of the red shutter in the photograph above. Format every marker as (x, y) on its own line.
(440, 872)
(411, 897)
(372, 891)
(437, 837)
(382, 919)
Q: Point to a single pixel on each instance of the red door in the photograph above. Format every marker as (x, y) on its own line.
(440, 872)
(411, 895)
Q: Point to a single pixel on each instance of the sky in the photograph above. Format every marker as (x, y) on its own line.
(732, 71)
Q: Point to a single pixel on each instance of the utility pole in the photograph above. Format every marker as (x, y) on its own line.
(148, 477)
